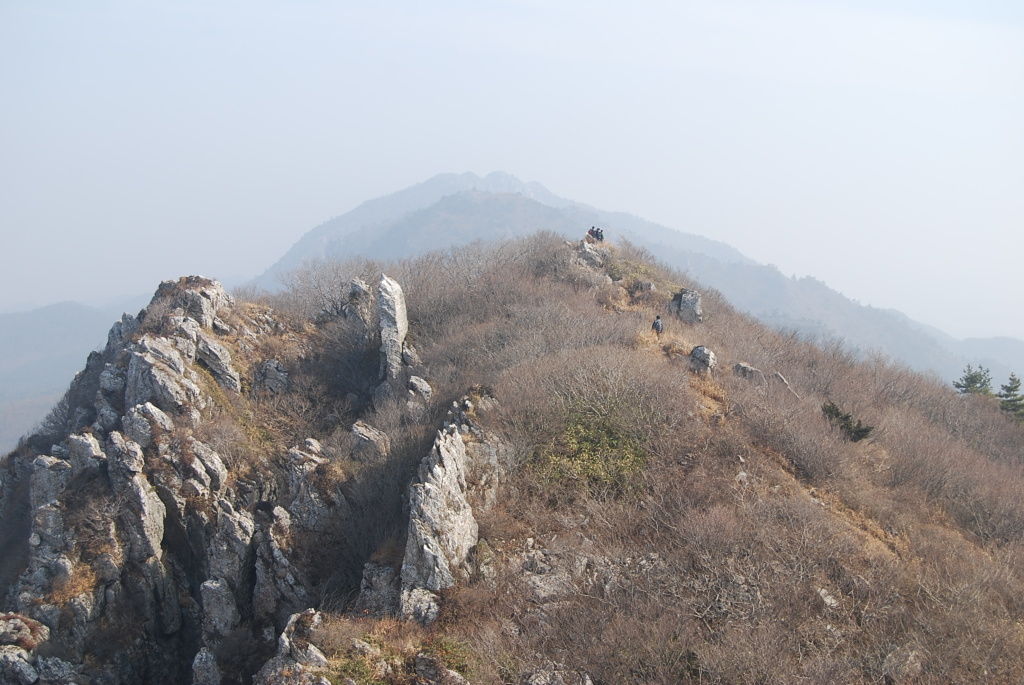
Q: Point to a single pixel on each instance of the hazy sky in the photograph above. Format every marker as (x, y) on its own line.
(877, 146)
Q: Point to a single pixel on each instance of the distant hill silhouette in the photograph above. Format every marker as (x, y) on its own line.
(40, 352)
(455, 209)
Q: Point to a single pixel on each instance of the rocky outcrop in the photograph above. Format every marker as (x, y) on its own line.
(200, 298)
(394, 326)
(369, 444)
(272, 377)
(442, 529)
(703, 360)
(298, 661)
(686, 304)
(745, 370)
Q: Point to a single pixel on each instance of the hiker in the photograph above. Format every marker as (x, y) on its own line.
(658, 326)
(600, 235)
(592, 233)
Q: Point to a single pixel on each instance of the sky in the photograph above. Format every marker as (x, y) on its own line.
(876, 146)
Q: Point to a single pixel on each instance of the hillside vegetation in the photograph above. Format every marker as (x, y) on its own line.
(635, 519)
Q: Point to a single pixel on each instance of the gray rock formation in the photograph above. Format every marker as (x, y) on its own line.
(200, 298)
(686, 304)
(298, 661)
(143, 421)
(442, 529)
(394, 326)
(703, 360)
(217, 358)
(369, 444)
(272, 377)
(745, 370)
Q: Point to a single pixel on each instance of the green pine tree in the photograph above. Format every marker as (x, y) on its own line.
(1010, 398)
(975, 381)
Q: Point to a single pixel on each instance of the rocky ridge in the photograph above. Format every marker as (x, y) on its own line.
(140, 555)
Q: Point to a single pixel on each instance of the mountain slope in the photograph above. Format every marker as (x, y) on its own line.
(451, 210)
(485, 466)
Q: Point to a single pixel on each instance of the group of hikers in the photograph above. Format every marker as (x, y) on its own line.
(596, 233)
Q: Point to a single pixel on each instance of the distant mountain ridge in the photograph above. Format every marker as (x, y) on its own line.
(455, 209)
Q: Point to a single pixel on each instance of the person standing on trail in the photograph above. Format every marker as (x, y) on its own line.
(658, 326)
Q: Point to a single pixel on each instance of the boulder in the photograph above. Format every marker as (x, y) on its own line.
(686, 304)
(703, 360)
(745, 370)
(394, 326)
(369, 444)
(419, 387)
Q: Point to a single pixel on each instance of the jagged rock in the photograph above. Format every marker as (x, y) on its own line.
(165, 590)
(272, 377)
(148, 521)
(22, 631)
(125, 456)
(217, 358)
(156, 373)
(204, 668)
(379, 591)
(84, 452)
(106, 416)
(313, 446)
(220, 612)
(213, 466)
(394, 326)
(686, 304)
(16, 667)
(143, 420)
(745, 370)
(277, 589)
(201, 298)
(54, 671)
(231, 544)
(186, 334)
(369, 444)
(703, 360)
(298, 661)
(121, 332)
(111, 380)
(591, 255)
(442, 529)
(49, 478)
(420, 387)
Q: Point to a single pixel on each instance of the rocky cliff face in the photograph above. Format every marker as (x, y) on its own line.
(136, 552)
